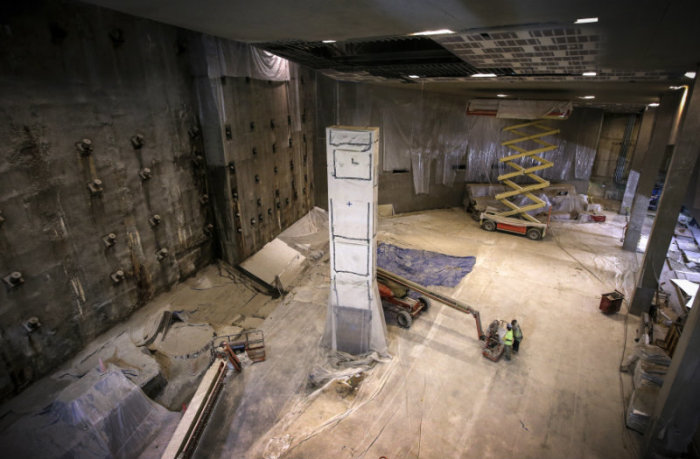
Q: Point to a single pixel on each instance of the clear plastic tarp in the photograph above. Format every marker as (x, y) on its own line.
(430, 134)
(309, 235)
(573, 158)
(235, 59)
(102, 415)
(417, 128)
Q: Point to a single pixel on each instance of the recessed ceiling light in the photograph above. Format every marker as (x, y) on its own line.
(675, 88)
(414, 76)
(483, 75)
(653, 104)
(328, 41)
(587, 97)
(501, 95)
(586, 20)
(590, 74)
(433, 32)
(690, 75)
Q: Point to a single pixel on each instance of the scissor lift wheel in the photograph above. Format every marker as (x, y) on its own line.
(404, 319)
(534, 234)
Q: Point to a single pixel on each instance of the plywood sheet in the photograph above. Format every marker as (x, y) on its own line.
(276, 263)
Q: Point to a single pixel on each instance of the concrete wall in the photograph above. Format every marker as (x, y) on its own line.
(269, 136)
(69, 72)
(72, 72)
(397, 189)
(610, 145)
(692, 198)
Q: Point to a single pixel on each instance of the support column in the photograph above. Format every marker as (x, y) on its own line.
(677, 410)
(649, 169)
(640, 151)
(680, 171)
(210, 98)
(355, 322)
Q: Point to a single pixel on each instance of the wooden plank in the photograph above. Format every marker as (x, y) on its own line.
(194, 410)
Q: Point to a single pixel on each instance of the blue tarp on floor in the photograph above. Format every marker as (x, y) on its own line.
(424, 267)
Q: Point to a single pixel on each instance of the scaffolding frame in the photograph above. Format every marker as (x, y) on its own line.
(541, 130)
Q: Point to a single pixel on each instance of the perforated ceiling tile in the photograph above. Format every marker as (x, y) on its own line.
(565, 50)
(535, 54)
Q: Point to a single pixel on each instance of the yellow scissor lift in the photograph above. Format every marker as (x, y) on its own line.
(493, 219)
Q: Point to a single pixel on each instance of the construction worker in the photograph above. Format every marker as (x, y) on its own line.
(508, 341)
(517, 335)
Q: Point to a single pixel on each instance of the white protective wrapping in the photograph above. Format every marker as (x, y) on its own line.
(102, 415)
(573, 158)
(226, 58)
(355, 316)
(418, 129)
(429, 134)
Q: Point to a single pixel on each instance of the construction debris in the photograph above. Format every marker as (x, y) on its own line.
(101, 415)
(184, 440)
(641, 407)
(649, 364)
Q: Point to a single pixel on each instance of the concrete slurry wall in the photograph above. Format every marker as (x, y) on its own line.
(268, 142)
(73, 72)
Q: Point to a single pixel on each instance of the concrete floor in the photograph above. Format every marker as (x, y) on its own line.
(436, 397)
(561, 396)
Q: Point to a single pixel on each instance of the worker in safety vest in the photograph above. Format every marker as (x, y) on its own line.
(508, 342)
(517, 335)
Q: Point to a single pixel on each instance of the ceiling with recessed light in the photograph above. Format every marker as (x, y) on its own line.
(637, 49)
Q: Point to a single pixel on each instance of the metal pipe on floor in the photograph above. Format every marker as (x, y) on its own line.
(454, 304)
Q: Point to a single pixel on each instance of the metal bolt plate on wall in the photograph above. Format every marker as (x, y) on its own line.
(145, 173)
(32, 324)
(13, 279)
(109, 240)
(84, 147)
(137, 141)
(154, 220)
(117, 276)
(162, 254)
(95, 187)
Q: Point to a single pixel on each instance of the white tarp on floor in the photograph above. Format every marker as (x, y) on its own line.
(102, 415)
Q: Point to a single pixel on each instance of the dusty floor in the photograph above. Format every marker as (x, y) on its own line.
(438, 397)
(214, 302)
(435, 396)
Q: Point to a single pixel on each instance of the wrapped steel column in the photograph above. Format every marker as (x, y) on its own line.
(355, 321)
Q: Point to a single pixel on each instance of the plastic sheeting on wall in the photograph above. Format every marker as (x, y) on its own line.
(584, 141)
(417, 128)
(485, 148)
(447, 166)
(427, 132)
(420, 165)
(236, 59)
(573, 159)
